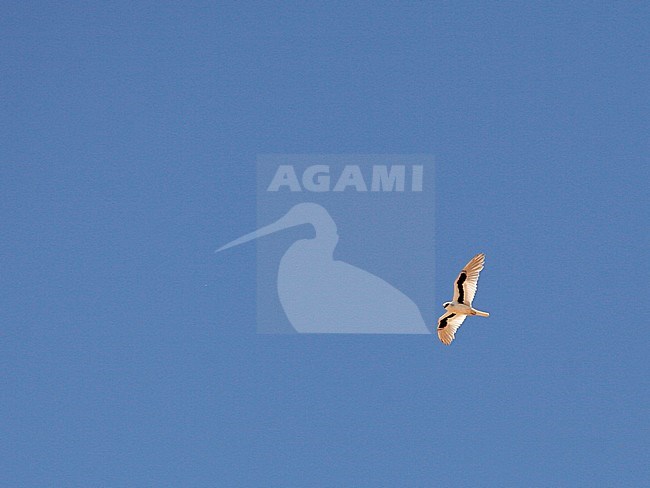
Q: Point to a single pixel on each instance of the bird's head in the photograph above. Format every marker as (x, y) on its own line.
(302, 213)
(446, 304)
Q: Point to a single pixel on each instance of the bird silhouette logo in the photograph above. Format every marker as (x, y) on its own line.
(322, 295)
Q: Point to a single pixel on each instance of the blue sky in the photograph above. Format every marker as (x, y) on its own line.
(128, 350)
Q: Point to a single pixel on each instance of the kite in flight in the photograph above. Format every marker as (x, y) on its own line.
(461, 306)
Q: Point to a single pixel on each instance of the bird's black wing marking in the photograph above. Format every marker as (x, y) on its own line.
(443, 322)
(459, 284)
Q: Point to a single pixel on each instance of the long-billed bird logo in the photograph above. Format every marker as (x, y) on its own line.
(322, 295)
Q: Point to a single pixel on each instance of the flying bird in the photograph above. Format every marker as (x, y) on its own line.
(461, 306)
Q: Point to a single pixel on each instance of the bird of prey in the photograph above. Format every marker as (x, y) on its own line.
(461, 306)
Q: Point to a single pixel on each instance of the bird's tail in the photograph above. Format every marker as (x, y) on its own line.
(482, 314)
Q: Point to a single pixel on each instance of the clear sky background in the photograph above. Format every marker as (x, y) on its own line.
(128, 350)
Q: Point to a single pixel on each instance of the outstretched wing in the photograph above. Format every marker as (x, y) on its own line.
(448, 324)
(465, 284)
